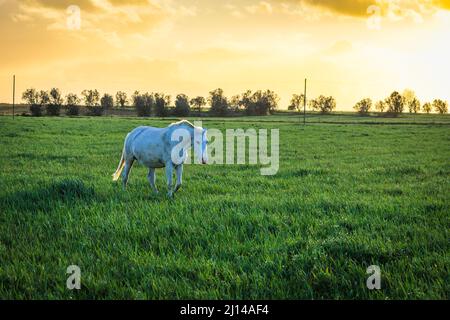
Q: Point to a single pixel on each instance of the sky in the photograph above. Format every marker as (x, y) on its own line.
(350, 49)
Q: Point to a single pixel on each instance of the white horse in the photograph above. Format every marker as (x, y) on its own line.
(161, 147)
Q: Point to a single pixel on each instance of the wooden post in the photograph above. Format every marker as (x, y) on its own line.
(304, 106)
(14, 94)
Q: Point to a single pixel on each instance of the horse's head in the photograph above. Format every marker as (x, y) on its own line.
(191, 136)
(200, 143)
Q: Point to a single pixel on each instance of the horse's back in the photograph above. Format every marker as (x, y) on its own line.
(146, 145)
(146, 131)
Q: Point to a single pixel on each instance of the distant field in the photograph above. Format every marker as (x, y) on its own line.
(358, 192)
(343, 117)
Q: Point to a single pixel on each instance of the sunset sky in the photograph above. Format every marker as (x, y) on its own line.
(350, 49)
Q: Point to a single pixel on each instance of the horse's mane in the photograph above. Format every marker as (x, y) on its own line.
(182, 122)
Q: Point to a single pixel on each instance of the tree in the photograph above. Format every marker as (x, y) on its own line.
(72, 104)
(262, 103)
(31, 97)
(107, 102)
(182, 107)
(162, 102)
(440, 106)
(363, 106)
(427, 107)
(408, 96)
(91, 100)
(380, 106)
(395, 103)
(42, 100)
(411, 101)
(143, 103)
(236, 103)
(323, 104)
(414, 106)
(259, 103)
(242, 101)
(218, 102)
(121, 99)
(55, 102)
(198, 103)
(297, 102)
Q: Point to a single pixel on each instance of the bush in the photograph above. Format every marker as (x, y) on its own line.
(121, 99)
(107, 102)
(143, 103)
(414, 105)
(53, 110)
(218, 102)
(42, 102)
(395, 103)
(261, 103)
(323, 104)
(380, 106)
(198, 103)
(297, 102)
(91, 100)
(427, 107)
(72, 105)
(162, 102)
(36, 110)
(31, 97)
(440, 106)
(95, 110)
(55, 102)
(72, 110)
(363, 106)
(182, 107)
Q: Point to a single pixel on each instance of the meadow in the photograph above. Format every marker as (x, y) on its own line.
(350, 192)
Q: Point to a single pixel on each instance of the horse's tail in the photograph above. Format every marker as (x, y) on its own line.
(116, 174)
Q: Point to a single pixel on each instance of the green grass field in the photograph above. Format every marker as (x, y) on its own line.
(359, 192)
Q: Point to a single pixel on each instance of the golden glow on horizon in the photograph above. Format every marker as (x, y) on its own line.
(195, 46)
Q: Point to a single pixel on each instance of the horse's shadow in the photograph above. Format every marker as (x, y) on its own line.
(45, 198)
(66, 192)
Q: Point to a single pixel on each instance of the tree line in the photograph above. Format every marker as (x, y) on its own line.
(257, 103)
(396, 103)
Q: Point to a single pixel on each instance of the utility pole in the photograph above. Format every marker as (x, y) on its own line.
(304, 106)
(14, 94)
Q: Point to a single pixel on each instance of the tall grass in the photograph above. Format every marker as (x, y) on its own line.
(347, 196)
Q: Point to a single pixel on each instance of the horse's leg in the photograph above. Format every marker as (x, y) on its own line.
(126, 171)
(179, 173)
(169, 173)
(152, 178)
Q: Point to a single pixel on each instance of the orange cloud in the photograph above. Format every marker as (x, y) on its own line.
(358, 8)
(128, 2)
(347, 7)
(86, 5)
